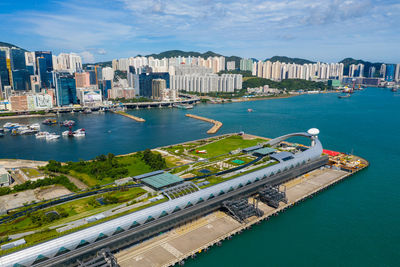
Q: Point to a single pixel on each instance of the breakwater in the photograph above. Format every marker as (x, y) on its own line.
(129, 116)
(214, 129)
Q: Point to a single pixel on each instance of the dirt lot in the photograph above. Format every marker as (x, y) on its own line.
(18, 163)
(18, 199)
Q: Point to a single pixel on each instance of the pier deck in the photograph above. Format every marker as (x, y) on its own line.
(181, 243)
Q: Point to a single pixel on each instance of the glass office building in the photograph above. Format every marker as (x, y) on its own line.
(47, 55)
(21, 80)
(145, 82)
(17, 57)
(4, 76)
(389, 73)
(65, 89)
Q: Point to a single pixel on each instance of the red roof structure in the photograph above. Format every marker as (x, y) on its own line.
(330, 152)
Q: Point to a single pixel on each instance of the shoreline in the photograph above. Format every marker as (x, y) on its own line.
(28, 116)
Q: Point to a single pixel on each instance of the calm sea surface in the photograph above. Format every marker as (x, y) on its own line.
(356, 222)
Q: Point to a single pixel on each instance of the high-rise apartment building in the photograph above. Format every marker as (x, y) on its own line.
(82, 79)
(230, 65)
(158, 86)
(397, 73)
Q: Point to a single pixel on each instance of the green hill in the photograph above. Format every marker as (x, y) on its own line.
(288, 84)
(348, 61)
(177, 53)
(285, 59)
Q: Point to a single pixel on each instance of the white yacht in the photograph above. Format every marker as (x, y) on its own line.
(41, 134)
(52, 136)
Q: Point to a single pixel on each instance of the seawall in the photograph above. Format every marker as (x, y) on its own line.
(214, 129)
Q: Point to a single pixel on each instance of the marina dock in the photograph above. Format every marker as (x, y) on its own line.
(138, 119)
(180, 244)
(214, 129)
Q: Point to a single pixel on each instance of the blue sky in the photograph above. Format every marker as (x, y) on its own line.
(325, 30)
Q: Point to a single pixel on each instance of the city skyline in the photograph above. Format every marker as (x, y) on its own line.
(108, 29)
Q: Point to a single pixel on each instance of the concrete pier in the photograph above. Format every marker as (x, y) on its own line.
(214, 129)
(175, 246)
(129, 116)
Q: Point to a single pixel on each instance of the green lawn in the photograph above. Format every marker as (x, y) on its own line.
(31, 172)
(47, 234)
(76, 210)
(226, 145)
(135, 165)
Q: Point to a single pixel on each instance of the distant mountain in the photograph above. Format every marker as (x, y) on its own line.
(101, 64)
(177, 53)
(348, 61)
(4, 44)
(285, 59)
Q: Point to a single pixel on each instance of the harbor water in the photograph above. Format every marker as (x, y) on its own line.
(353, 223)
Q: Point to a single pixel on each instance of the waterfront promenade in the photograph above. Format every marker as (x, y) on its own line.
(214, 129)
(198, 236)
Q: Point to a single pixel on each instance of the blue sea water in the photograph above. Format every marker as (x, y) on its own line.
(353, 223)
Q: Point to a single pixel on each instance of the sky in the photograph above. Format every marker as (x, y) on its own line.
(100, 30)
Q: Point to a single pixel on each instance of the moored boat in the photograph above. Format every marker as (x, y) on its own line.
(80, 133)
(68, 123)
(41, 134)
(344, 96)
(183, 106)
(52, 136)
(49, 121)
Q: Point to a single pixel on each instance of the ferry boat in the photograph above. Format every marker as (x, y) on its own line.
(49, 121)
(41, 134)
(183, 106)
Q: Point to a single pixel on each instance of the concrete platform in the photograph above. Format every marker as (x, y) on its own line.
(182, 242)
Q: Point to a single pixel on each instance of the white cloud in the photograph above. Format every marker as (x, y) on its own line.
(87, 57)
(236, 26)
(101, 51)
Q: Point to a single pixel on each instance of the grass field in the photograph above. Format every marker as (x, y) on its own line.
(226, 145)
(46, 233)
(76, 210)
(134, 164)
(32, 173)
